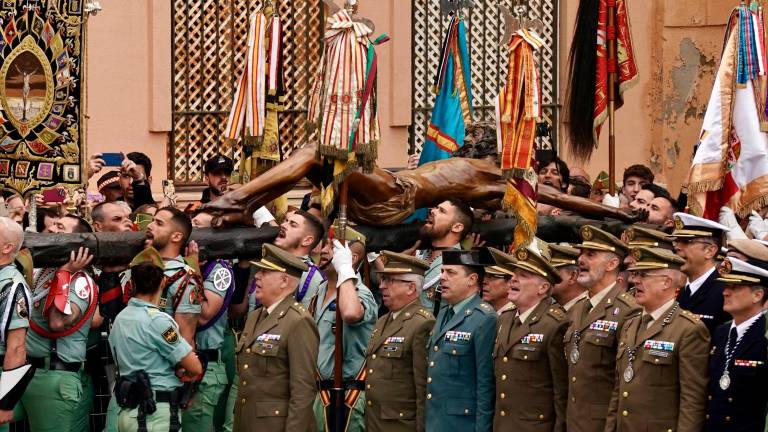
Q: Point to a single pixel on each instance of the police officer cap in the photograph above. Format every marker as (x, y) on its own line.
(471, 258)
(219, 163)
(563, 254)
(352, 235)
(597, 239)
(275, 259)
(689, 226)
(645, 237)
(655, 258)
(531, 260)
(737, 272)
(501, 263)
(398, 263)
(149, 255)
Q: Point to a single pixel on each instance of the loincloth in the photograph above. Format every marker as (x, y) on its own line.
(390, 212)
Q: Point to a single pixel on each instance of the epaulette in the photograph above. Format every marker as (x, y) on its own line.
(485, 307)
(627, 299)
(425, 313)
(512, 309)
(299, 307)
(690, 315)
(556, 312)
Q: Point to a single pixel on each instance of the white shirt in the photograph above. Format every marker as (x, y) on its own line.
(743, 327)
(695, 285)
(597, 298)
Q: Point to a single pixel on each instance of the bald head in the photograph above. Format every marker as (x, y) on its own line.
(11, 238)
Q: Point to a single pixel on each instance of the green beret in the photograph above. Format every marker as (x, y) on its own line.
(149, 255)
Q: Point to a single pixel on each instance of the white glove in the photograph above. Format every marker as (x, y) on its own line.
(342, 262)
(372, 256)
(728, 218)
(612, 200)
(757, 226)
(262, 216)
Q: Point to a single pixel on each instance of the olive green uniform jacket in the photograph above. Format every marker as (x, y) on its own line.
(396, 359)
(668, 390)
(531, 372)
(276, 359)
(592, 377)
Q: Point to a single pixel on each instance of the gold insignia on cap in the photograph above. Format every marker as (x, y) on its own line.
(725, 268)
(637, 254)
(630, 234)
(521, 254)
(586, 233)
(679, 223)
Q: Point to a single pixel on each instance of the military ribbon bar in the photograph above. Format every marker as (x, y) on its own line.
(659, 345)
(748, 363)
(532, 338)
(266, 337)
(603, 325)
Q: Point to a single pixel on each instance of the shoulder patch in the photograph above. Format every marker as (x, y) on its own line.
(556, 312)
(222, 279)
(171, 335)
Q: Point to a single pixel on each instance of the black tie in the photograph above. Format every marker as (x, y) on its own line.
(686, 294)
(733, 338)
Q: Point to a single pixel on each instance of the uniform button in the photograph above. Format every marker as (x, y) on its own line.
(655, 360)
(247, 350)
(502, 396)
(401, 414)
(503, 377)
(370, 371)
(505, 359)
(625, 394)
(429, 379)
(466, 411)
(730, 399)
(373, 356)
(429, 395)
(243, 401)
(245, 366)
(525, 357)
(573, 379)
(669, 430)
(625, 413)
(453, 352)
(277, 412)
(243, 383)
(541, 416)
(707, 416)
(370, 403)
(263, 351)
(728, 418)
(431, 364)
(709, 397)
(368, 386)
(573, 398)
(503, 413)
(436, 348)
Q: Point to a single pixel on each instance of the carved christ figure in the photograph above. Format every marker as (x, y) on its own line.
(384, 198)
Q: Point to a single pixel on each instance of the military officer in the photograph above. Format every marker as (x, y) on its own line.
(661, 365)
(531, 372)
(750, 251)
(277, 351)
(446, 226)
(496, 283)
(150, 354)
(568, 292)
(397, 356)
(359, 311)
(698, 241)
(637, 236)
(182, 299)
(64, 302)
(218, 287)
(13, 329)
(592, 338)
(738, 365)
(460, 380)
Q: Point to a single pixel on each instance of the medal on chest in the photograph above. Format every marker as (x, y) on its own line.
(725, 380)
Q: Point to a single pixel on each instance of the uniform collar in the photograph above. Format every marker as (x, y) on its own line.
(460, 305)
(597, 298)
(658, 313)
(174, 263)
(143, 303)
(575, 300)
(743, 327)
(696, 284)
(524, 316)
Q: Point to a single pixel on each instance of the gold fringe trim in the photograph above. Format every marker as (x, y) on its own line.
(705, 186)
(525, 210)
(755, 204)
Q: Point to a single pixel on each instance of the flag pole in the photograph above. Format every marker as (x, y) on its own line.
(612, 70)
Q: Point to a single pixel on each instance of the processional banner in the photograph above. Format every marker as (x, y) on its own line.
(42, 142)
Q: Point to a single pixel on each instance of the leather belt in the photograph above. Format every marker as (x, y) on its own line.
(348, 385)
(55, 364)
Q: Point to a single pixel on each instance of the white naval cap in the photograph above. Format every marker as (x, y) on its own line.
(737, 272)
(687, 226)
